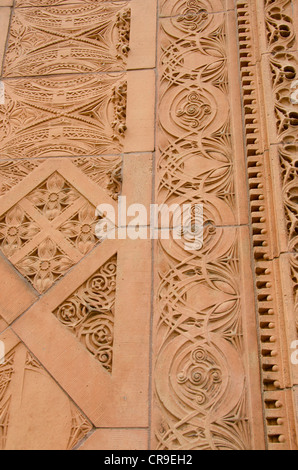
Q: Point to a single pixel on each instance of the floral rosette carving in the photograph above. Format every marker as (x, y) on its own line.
(54, 196)
(16, 229)
(45, 265)
(80, 229)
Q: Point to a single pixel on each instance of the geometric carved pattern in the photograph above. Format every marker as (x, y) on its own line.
(68, 39)
(199, 336)
(73, 106)
(105, 170)
(272, 368)
(48, 231)
(46, 117)
(204, 390)
(23, 371)
(89, 313)
(80, 427)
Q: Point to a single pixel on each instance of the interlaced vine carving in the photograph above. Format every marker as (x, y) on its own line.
(89, 313)
(199, 336)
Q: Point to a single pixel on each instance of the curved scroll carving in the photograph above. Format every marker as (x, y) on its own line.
(199, 371)
(89, 313)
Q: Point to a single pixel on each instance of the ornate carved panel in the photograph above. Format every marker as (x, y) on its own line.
(46, 3)
(106, 171)
(81, 38)
(282, 45)
(13, 172)
(79, 122)
(53, 205)
(84, 115)
(72, 102)
(49, 229)
(89, 313)
(201, 369)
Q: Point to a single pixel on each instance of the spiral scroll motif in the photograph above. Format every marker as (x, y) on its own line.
(89, 313)
(200, 391)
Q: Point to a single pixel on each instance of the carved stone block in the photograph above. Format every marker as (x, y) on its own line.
(32, 405)
(63, 116)
(51, 226)
(114, 343)
(69, 39)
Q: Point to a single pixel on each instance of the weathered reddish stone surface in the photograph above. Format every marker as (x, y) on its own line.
(117, 439)
(139, 344)
(33, 404)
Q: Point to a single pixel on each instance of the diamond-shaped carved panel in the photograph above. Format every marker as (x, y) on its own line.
(48, 231)
(53, 197)
(89, 313)
(68, 39)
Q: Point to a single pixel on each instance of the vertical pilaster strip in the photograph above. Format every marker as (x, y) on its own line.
(268, 167)
(205, 354)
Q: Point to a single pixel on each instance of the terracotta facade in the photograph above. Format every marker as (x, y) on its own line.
(140, 343)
